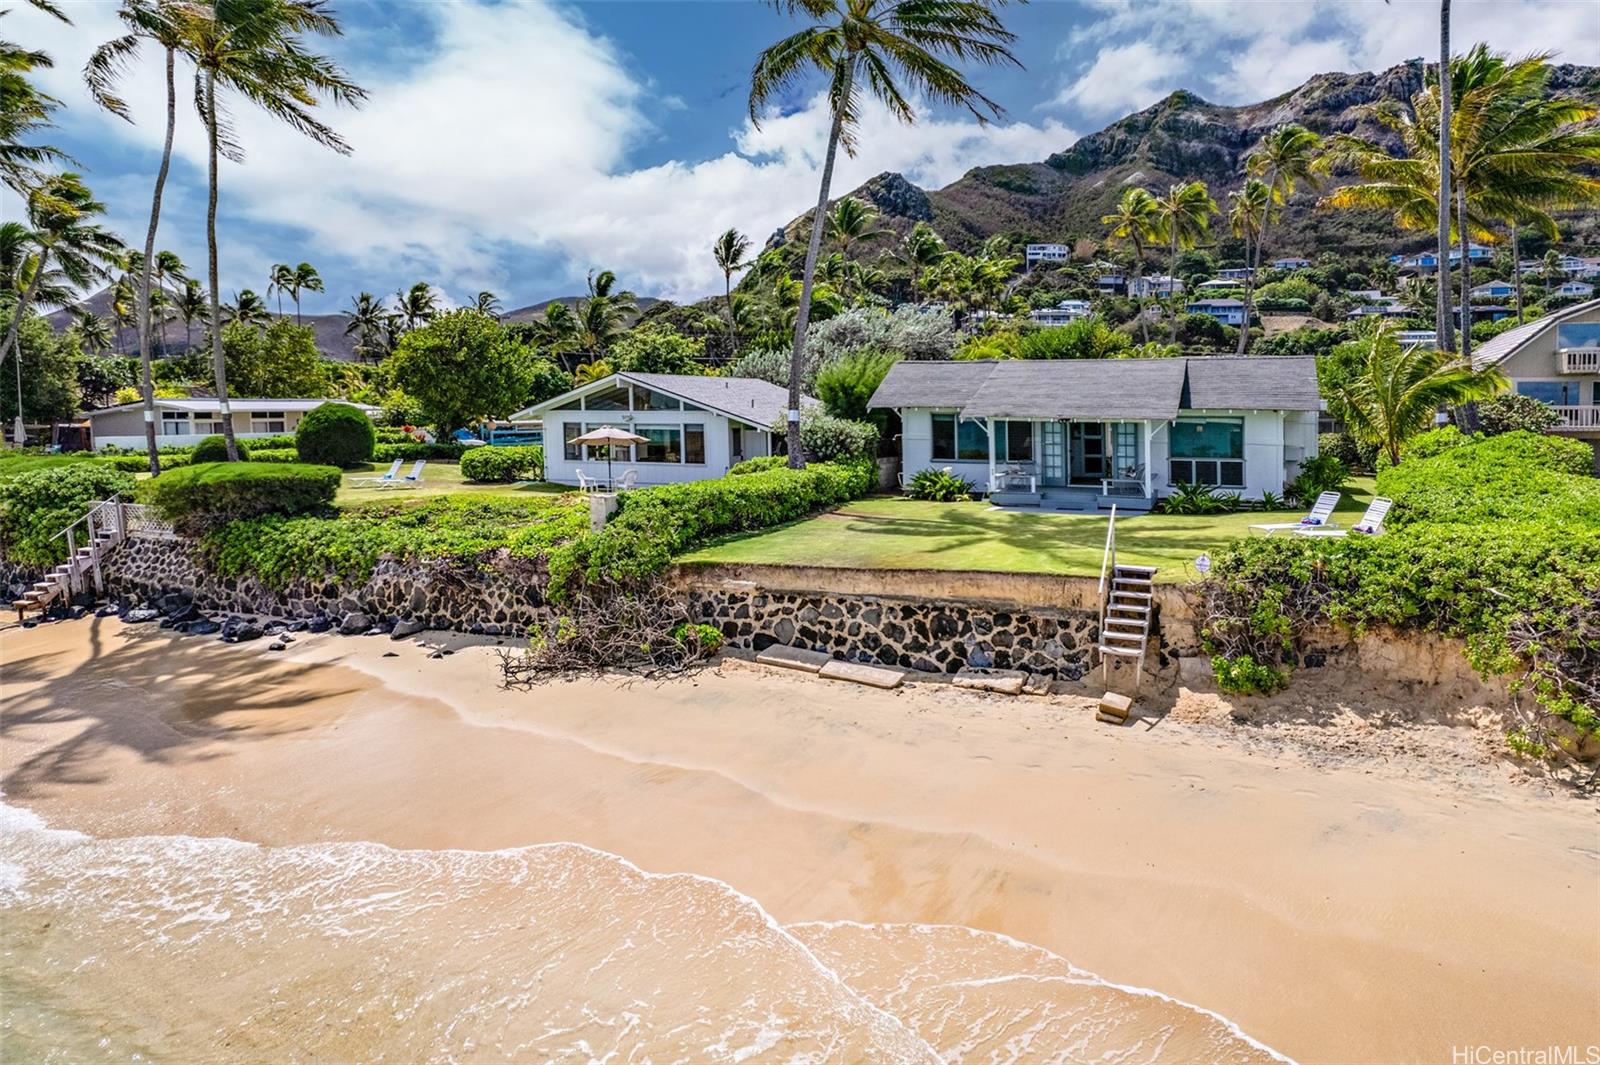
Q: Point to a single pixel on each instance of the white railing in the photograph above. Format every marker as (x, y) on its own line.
(1108, 559)
(1578, 417)
(1579, 360)
(144, 523)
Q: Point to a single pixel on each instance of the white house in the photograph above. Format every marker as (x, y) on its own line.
(1494, 290)
(1234, 273)
(1386, 310)
(697, 428)
(1228, 312)
(1085, 433)
(1048, 253)
(1218, 284)
(1555, 359)
(185, 422)
(1154, 285)
(1570, 265)
(1290, 263)
(1576, 288)
(1423, 338)
(1062, 313)
(1111, 280)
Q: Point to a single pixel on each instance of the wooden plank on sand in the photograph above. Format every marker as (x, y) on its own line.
(794, 658)
(860, 673)
(1000, 681)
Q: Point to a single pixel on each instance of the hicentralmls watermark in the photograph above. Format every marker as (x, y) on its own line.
(1551, 1055)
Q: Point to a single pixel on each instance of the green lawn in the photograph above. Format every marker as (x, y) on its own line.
(908, 534)
(438, 478)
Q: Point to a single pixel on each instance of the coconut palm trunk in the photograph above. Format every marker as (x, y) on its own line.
(802, 316)
(1516, 269)
(1445, 328)
(147, 386)
(1172, 284)
(1466, 273)
(219, 366)
(13, 343)
(1249, 288)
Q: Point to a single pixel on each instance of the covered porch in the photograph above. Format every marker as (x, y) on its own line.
(1065, 464)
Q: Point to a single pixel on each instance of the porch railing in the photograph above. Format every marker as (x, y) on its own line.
(1579, 360)
(1586, 417)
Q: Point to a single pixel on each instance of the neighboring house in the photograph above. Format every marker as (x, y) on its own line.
(1485, 312)
(1228, 312)
(1154, 285)
(1370, 295)
(1570, 265)
(1290, 263)
(1235, 273)
(1581, 289)
(185, 422)
(1112, 281)
(1062, 313)
(1494, 290)
(1089, 432)
(1555, 359)
(1386, 310)
(1048, 253)
(1218, 284)
(1424, 338)
(1427, 262)
(697, 427)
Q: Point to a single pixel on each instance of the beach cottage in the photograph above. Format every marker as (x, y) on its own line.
(185, 422)
(1081, 434)
(695, 428)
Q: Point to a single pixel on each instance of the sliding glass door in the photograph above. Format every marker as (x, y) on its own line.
(1053, 454)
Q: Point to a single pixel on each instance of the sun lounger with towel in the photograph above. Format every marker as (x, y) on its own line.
(410, 480)
(1371, 523)
(385, 478)
(1321, 517)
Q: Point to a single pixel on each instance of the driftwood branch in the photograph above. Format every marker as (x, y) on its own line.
(646, 630)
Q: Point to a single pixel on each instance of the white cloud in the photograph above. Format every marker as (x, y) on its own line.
(510, 132)
(1125, 78)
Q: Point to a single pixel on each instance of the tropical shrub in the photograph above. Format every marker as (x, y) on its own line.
(214, 448)
(37, 504)
(828, 439)
(280, 360)
(846, 384)
(760, 464)
(1199, 499)
(762, 364)
(502, 465)
(400, 409)
(1087, 338)
(1318, 474)
(908, 332)
(939, 486)
(1341, 446)
(335, 434)
(446, 451)
(201, 497)
(462, 366)
(1513, 411)
(698, 637)
(1243, 675)
(270, 454)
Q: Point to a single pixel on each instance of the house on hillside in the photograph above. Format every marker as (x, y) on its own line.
(1062, 313)
(1111, 281)
(1082, 434)
(696, 428)
(1234, 273)
(185, 422)
(1218, 284)
(1384, 310)
(1048, 253)
(1290, 263)
(1555, 359)
(1494, 290)
(1226, 311)
(1154, 285)
(1569, 265)
(1579, 289)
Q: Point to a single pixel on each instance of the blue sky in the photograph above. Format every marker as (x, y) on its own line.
(516, 146)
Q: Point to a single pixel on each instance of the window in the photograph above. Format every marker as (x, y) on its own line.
(1125, 448)
(174, 423)
(663, 443)
(1013, 441)
(1555, 393)
(650, 399)
(569, 432)
(267, 421)
(958, 440)
(1208, 451)
(610, 399)
(211, 427)
(594, 452)
(694, 444)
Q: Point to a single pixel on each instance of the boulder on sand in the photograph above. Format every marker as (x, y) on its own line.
(353, 623)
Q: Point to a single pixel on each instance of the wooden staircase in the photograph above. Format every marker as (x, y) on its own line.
(1128, 599)
(102, 528)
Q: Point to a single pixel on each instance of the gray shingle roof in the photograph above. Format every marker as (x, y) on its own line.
(758, 403)
(1495, 350)
(1108, 389)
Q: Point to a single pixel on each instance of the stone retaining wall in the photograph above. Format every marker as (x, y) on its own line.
(504, 598)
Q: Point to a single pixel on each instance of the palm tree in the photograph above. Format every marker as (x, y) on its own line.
(488, 303)
(253, 48)
(124, 308)
(1444, 323)
(1136, 221)
(280, 280)
(365, 319)
(304, 279)
(248, 309)
(730, 251)
(921, 251)
(23, 111)
(94, 332)
(1550, 267)
(602, 313)
(557, 331)
(1248, 217)
(1183, 216)
(191, 305)
(1400, 390)
(64, 237)
(876, 42)
(416, 306)
(852, 222)
(591, 371)
(1287, 156)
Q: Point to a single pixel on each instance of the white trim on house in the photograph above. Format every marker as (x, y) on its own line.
(186, 422)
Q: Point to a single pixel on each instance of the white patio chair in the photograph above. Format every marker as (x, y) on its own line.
(1321, 517)
(410, 480)
(379, 479)
(1371, 523)
(587, 483)
(629, 479)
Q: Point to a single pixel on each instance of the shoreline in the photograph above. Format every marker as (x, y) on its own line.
(1225, 874)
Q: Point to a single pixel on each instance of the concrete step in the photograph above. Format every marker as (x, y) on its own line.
(999, 681)
(861, 673)
(799, 658)
(1114, 705)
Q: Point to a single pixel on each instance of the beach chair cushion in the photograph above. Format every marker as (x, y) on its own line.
(1310, 520)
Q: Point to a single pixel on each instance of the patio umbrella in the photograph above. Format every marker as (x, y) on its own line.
(609, 436)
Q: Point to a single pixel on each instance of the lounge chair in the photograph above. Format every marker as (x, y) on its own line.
(586, 483)
(410, 480)
(629, 479)
(1371, 523)
(1321, 517)
(380, 479)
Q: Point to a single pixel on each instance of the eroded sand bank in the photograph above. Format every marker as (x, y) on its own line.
(1355, 909)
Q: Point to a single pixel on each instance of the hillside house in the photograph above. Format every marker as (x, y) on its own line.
(1048, 253)
(1290, 263)
(1062, 313)
(1154, 285)
(1226, 311)
(1493, 290)
(1555, 359)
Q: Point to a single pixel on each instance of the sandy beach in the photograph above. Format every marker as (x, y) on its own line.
(1384, 903)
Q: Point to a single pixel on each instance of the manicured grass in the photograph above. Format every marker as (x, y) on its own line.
(908, 534)
(438, 478)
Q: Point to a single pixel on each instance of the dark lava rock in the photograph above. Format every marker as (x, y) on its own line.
(273, 628)
(352, 623)
(436, 654)
(407, 627)
(105, 612)
(278, 645)
(286, 638)
(203, 627)
(298, 625)
(186, 612)
(135, 617)
(83, 599)
(319, 624)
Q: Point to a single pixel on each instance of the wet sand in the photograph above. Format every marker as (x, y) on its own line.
(1335, 910)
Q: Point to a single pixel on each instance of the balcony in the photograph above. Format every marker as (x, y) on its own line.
(1578, 360)
(1585, 418)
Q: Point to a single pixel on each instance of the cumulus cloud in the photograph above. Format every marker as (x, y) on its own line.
(505, 137)
(1124, 78)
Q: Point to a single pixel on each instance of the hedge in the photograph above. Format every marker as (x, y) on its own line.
(214, 448)
(335, 434)
(760, 464)
(206, 495)
(502, 465)
(386, 453)
(37, 504)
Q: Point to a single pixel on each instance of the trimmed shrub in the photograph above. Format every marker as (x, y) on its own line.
(1322, 473)
(335, 434)
(939, 486)
(758, 465)
(828, 439)
(503, 465)
(201, 497)
(1513, 411)
(214, 448)
(37, 504)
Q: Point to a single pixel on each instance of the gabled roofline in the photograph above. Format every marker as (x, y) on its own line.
(538, 409)
(1536, 329)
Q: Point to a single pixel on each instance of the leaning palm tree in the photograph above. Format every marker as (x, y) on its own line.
(124, 309)
(1444, 328)
(366, 320)
(190, 303)
(487, 303)
(1399, 391)
(416, 306)
(731, 251)
(279, 280)
(852, 222)
(253, 48)
(1183, 216)
(602, 313)
(1136, 221)
(65, 240)
(891, 46)
(921, 251)
(1248, 217)
(94, 332)
(248, 309)
(1286, 157)
(24, 110)
(1549, 267)
(557, 332)
(304, 278)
